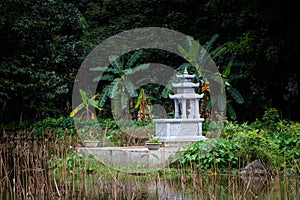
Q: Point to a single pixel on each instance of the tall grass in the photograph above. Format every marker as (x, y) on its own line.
(50, 168)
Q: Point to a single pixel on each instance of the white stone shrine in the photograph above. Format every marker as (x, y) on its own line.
(187, 123)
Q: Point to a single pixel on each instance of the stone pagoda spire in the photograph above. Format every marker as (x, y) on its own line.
(186, 101)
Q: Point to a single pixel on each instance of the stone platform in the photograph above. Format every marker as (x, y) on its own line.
(134, 156)
(179, 130)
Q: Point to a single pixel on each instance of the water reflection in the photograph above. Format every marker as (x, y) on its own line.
(206, 187)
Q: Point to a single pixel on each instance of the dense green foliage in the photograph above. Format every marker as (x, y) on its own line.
(276, 142)
(40, 51)
(44, 42)
(53, 127)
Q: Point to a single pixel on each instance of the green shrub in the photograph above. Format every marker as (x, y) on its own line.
(58, 126)
(287, 136)
(214, 154)
(241, 144)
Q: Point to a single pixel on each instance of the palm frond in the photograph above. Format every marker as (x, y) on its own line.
(140, 68)
(238, 76)
(104, 95)
(219, 51)
(168, 88)
(114, 86)
(116, 62)
(105, 77)
(94, 103)
(84, 97)
(134, 58)
(184, 53)
(130, 88)
(226, 72)
(98, 69)
(194, 50)
(221, 102)
(139, 99)
(231, 111)
(209, 44)
(236, 95)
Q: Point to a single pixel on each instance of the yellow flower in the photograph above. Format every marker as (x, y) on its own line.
(93, 117)
(205, 86)
(73, 112)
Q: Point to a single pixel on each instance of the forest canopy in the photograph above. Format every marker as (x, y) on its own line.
(43, 44)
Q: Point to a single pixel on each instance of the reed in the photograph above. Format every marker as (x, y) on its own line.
(50, 168)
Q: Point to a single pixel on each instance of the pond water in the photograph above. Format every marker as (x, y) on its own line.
(201, 187)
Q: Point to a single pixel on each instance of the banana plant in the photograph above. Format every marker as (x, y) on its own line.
(195, 55)
(86, 104)
(144, 109)
(117, 74)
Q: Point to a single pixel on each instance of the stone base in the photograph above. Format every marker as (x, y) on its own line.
(181, 139)
(179, 130)
(133, 157)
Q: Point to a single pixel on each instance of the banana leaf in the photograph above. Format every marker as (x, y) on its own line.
(236, 95)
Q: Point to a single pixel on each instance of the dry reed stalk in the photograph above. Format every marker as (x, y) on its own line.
(26, 173)
(30, 171)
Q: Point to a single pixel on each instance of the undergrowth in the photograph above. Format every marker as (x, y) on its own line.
(275, 142)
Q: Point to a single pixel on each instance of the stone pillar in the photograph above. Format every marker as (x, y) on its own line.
(197, 114)
(183, 109)
(191, 109)
(176, 109)
(200, 129)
